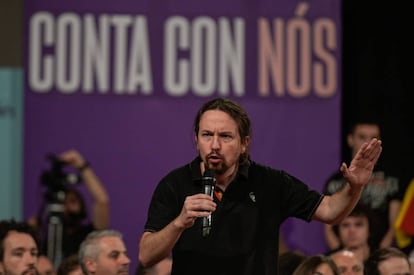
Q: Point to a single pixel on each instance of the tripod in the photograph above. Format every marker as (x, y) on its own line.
(55, 228)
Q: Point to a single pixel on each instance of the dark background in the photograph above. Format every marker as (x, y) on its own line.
(377, 75)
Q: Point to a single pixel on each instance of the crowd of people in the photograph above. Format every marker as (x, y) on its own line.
(245, 209)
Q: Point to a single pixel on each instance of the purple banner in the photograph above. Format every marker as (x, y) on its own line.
(121, 82)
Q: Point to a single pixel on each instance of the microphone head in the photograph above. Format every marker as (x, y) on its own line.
(208, 173)
(208, 179)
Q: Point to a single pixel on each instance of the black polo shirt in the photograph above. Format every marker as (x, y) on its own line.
(245, 225)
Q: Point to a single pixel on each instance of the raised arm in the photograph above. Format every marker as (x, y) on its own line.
(155, 246)
(337, 206)
(100, 211)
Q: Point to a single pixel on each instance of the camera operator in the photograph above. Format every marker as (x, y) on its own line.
(75, 220)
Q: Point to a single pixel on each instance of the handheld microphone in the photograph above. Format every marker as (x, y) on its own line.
(208, 181)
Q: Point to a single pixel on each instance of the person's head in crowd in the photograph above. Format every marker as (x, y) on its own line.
(70, 266)
(237, 148)
(388, 261)
(317, 265)
(348, 263)
(362, 131)
(104, 253)
(289, 261)
(45, 266)
(19, 248)
(354, 231)
(163, 267)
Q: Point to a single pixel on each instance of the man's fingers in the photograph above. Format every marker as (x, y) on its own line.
(344, 168)
(373, 151)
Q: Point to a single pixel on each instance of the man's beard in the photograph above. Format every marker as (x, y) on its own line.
(30, 270)
(219, 168)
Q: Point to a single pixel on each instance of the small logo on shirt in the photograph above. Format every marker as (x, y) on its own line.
(252, 196)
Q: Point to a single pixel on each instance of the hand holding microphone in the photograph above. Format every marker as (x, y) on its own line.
(208, 182)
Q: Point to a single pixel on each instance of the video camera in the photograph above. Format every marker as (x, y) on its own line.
(56, 179)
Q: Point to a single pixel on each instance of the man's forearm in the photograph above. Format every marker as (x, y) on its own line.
(100, 213)
(336, 207)
(94, 186)
(154, 246)
(344, 201)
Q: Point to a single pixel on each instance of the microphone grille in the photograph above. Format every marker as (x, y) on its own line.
(208, 173)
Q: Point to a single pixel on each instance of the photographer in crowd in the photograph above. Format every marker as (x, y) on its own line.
(76, 223)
